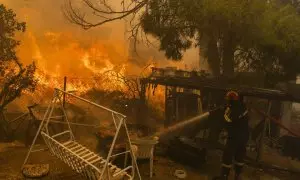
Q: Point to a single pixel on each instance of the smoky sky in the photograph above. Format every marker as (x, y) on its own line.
(58, 40)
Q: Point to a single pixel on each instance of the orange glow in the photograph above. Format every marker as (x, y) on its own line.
(59, 54)
(157, 101)
(89, 59)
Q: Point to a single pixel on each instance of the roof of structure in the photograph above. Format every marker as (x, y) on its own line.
(198, 81)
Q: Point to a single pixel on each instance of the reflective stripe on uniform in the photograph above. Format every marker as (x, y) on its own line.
(244, 114)
(227, 118)
(227, 111)
(239, 164)
(226, 165)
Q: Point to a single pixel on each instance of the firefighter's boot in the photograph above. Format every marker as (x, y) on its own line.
(224, 174)
(238, 171)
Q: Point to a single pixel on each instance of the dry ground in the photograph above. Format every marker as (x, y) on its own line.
(12, 156)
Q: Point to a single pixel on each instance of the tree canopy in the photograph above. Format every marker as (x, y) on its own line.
(245, 35)
(14, 76)
(235, 35)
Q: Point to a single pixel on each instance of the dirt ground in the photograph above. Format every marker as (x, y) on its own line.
(12, 156)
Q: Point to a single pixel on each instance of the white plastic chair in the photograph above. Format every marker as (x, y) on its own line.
(144, 149)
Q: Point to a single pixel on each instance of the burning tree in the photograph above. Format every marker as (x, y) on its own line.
(14, 77)
(235, 35)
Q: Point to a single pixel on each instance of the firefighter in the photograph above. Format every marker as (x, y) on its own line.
(236, 123)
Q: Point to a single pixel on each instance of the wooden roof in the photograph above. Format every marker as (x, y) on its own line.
(222, 84)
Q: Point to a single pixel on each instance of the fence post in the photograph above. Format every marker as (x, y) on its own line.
(65, 88)
(262, 137)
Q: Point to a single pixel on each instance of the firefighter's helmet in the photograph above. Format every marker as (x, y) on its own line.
(232, 95)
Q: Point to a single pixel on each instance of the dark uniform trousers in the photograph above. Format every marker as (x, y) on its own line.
(233, 152)
(235, 149)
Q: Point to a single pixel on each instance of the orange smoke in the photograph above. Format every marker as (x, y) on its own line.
(89, 59)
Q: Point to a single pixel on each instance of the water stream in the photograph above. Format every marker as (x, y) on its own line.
(181, 127)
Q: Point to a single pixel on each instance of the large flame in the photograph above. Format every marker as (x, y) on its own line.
(58, 55)
(89, 59)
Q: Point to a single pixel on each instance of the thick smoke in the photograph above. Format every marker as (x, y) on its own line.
(59, 46)
(63, 49)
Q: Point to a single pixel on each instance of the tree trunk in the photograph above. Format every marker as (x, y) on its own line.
(213, 57)
(228, 56)
(5, 129)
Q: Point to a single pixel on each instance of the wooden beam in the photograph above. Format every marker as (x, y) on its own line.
(222, 85)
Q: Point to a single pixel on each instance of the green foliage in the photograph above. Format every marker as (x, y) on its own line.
(8, 27)
(257, 35)
(278, 41)
(162, 21)
(235, 35)
(14, 77)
